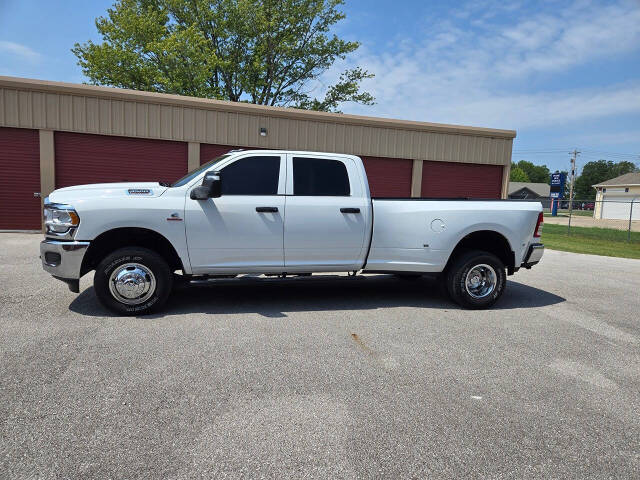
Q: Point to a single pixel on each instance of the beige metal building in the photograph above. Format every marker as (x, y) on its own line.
(56, 134)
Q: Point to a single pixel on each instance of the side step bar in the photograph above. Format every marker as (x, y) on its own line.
(256, 278)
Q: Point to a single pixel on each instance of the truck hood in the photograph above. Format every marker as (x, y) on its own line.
(107, 190)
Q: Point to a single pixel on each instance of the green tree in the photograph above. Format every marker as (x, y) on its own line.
(518, 175)
(621, 168)
(597, 172)
(535, 173)
(268, 52)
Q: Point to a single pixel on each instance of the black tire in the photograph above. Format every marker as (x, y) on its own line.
(150, 260)
(456, 278)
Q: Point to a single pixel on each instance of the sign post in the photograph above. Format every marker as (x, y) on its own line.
(557, 183)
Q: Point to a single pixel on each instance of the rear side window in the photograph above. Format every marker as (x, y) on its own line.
(320, 177)
(251, 176)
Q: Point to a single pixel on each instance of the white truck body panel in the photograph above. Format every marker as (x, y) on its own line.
(104, 207)
(228, 235)
(419, 235)
(318, 237)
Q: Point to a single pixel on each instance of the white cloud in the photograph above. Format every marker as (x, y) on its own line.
(19, 50)
(579, 34)
(476, 68)
(544, 109)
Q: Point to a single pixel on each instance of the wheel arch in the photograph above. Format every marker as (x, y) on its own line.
(489, 241)
(116, 238)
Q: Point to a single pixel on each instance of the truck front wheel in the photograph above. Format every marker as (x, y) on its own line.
(476, 279)
(133, 281)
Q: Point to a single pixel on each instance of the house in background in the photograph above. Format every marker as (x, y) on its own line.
(614, 197)
(538, 192)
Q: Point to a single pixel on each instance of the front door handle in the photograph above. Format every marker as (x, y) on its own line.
(267, 209)
(350, 210)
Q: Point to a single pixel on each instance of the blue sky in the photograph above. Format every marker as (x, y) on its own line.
(564, 74)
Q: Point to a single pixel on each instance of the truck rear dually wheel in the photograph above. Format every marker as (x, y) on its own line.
(133, 281)
(476, 279)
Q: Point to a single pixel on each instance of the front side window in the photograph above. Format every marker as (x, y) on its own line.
(320, 177)
(251, 176)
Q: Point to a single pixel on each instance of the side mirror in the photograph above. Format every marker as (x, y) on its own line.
(211, 187)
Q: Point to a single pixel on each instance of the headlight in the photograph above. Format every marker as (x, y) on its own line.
(59, 219)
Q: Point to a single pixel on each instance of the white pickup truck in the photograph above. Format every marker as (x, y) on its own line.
(278, 213)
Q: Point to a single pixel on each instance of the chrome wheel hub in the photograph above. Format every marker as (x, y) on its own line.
(481, 281)
(132, 283)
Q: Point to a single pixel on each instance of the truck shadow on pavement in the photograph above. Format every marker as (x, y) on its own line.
(274, 299)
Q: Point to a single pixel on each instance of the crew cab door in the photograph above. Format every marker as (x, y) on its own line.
(327, 214)
(242, 230)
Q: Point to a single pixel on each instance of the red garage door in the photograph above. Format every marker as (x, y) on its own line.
(209, 151)
(388, 177)
(19, 179)
(83, 158)
(451, 180)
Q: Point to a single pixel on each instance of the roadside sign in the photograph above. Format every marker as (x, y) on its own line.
(557, 183)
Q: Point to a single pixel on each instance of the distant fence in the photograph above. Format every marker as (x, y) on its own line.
(619, 214)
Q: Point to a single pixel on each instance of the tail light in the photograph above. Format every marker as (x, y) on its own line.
(538, 231)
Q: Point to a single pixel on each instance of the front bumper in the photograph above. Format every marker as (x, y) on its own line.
(536, 250)
(63, 260)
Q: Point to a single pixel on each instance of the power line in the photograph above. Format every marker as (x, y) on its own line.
(611, 153)
(593, 157)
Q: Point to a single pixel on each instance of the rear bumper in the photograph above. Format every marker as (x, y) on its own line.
(536, 250)
(63, 260)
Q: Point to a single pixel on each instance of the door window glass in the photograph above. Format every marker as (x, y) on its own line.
(251, 176)
(320, 177)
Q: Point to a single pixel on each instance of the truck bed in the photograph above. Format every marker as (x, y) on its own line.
(419, 234)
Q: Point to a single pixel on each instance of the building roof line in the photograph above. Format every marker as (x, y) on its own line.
(247, 108)
(626, 180)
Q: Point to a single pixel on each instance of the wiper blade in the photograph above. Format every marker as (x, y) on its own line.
(164, 184)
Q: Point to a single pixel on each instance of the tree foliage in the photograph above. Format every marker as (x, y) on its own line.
(268, 52)
(597, 172)
(535, 173)
(518, 175)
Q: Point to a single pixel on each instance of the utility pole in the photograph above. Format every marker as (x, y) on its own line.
(575, 154)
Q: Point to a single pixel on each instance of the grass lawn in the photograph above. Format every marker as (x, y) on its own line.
(596, 241)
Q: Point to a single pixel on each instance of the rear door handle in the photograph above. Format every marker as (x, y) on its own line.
(267, 209)
(350, 210)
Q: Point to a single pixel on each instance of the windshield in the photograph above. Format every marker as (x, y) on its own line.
(194, 173)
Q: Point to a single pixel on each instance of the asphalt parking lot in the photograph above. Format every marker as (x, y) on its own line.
(368, 377)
